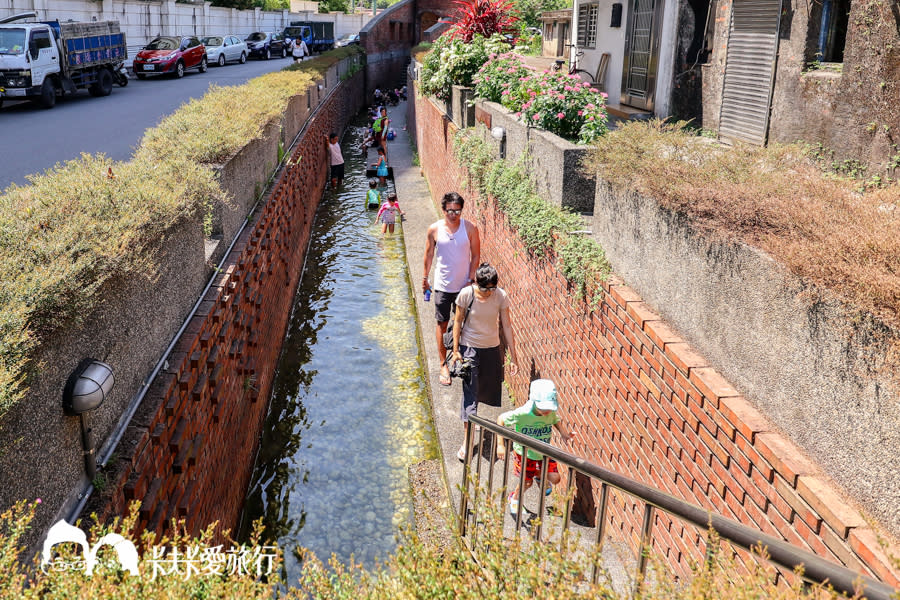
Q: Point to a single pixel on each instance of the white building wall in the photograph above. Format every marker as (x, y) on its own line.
(145, 19)
(611, 40)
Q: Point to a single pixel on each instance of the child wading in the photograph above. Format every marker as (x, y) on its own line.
(381, 168)
(373, 197)
(535, 418)
(388, 213)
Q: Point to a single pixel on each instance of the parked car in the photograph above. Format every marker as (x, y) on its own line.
(221, 49)
(265, 44)
(173, 55)
(346, 40)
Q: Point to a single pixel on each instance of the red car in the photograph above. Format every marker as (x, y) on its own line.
(172, 55)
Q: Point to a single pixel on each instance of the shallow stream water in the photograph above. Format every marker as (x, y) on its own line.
(349, 409)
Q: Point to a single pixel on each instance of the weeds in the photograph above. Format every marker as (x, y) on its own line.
(822, 228)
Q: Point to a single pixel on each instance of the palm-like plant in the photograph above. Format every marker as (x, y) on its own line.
(483, 17)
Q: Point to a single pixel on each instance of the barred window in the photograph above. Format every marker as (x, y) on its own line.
(587, 25)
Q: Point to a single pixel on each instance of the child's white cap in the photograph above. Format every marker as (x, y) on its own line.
(543, 394)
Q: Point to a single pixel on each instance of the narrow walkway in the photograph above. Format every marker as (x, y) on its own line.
(421, 211)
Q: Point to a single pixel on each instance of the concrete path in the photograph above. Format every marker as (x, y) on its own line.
(421, 211)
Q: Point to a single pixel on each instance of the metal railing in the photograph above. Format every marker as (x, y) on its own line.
(780, 553)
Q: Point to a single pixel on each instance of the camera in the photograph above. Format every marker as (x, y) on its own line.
(462, 369)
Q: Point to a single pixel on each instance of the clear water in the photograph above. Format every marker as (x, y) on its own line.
(349, 410)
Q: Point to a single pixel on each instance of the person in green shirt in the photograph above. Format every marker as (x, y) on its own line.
(536, 418)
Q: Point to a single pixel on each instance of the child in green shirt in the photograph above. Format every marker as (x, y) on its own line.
(535, 418)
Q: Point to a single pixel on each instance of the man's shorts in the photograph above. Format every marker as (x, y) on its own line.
(337, 171)
(532, 467)
(443, 305)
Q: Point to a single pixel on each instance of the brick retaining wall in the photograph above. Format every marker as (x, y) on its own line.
(647, 405)
(190, 448)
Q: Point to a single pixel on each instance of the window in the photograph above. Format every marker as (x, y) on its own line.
(41, 39)
(831, 33)
(587, 25)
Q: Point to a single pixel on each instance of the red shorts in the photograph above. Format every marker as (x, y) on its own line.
(532, 467)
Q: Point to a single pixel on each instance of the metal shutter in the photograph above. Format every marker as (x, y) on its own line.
(749, 70)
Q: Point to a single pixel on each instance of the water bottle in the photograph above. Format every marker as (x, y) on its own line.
(428, 295)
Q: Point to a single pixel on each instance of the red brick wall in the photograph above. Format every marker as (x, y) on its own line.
(645, 404)
(190, 449)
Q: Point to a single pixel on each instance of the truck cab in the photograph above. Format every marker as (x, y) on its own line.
(43, 60)
(28, 56)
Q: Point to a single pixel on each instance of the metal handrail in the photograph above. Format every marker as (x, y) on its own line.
(780, 553)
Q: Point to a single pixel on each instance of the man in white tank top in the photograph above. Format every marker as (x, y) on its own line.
(456, 245)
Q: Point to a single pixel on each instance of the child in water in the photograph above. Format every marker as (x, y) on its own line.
(381, 169)
(373, 197)
(388, 213)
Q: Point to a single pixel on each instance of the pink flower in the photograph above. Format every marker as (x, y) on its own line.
(568, 88)
(604, 94)
(590, 117)
(527, 105)
(518, 114)
(536, 116)
(504, 93)
(589, 106)
(487, 78)
(580, 113)
(560, 115)
(593, 90)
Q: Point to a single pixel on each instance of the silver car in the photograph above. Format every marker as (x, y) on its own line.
(221, 49)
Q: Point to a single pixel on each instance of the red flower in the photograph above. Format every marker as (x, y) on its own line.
(482, 17)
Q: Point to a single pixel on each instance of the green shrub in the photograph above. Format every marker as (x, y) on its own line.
(455, 62)
(545, 230)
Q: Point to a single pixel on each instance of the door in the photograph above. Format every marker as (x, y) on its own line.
(749, 70)
(641, 53)
(43, 54)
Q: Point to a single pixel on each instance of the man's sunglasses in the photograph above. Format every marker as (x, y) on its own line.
(453, 211)
(487, 289)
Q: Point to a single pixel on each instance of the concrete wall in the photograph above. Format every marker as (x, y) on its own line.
(852, 108)
(189, 452)
(811, 366)
(646, 402)
(554, 163)
(143, 20)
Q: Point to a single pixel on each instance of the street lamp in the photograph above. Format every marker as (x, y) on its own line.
(86, 389)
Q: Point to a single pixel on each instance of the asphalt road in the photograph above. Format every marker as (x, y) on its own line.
(33, 139)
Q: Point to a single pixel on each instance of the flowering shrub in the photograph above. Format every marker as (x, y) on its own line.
(482, 18)
(555, 101)
(455, 62)
(496, 77)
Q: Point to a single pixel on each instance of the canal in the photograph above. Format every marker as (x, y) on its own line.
(349, 411)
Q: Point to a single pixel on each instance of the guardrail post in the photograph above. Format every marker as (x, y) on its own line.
(644, 550)
(464, 492)
(541, 502)
(601, 527)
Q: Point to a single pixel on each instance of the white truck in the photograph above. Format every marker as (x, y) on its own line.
(42, 61)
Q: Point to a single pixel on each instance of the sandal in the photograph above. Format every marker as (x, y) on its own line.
(444, 379)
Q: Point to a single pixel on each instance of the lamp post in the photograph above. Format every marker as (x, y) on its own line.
(86, 389)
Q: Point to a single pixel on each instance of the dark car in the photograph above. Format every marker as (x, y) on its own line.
(265, 44)
(173, 55)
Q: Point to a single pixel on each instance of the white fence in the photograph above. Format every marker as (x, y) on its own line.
(142, 20)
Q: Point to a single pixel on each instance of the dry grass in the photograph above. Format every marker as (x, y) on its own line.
(818, 225)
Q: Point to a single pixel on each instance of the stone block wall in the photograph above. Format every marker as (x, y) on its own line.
(648, 405)
(189, 451)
